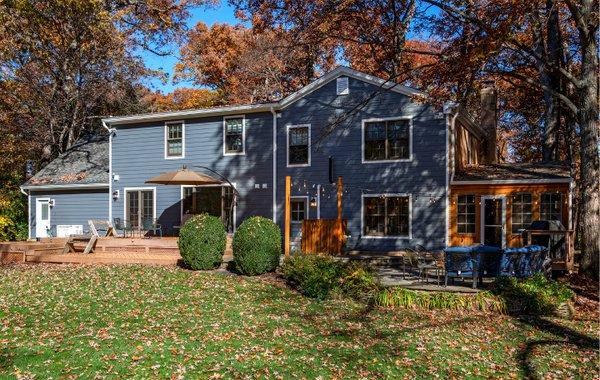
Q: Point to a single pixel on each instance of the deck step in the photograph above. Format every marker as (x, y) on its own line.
(104, 258)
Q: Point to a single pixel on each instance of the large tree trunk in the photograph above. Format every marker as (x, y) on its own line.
(551, 79)
(590, 162)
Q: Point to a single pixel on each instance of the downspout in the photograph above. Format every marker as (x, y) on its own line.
(110, 176)
(28, 194)
(451, 112)
(274, 164)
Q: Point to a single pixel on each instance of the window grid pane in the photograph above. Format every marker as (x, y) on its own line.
(550, 206)
(298, 146)
(174, 140)
(466, 214)
(234, 135)
(298, 208)
(387, 140)
(521, 212)
(386, 216)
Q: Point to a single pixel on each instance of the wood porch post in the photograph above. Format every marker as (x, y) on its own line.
(287, 221)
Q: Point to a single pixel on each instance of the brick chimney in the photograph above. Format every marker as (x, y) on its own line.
(489, 120)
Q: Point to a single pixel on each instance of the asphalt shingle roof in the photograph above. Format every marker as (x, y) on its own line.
(513, 171)
(85, 162)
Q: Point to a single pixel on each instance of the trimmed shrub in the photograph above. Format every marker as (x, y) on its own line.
(534, 295)
(318, 276)
(256, 246)
(202, 242)
(411, 299)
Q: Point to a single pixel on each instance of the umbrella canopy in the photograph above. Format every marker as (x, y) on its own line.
(184, 176)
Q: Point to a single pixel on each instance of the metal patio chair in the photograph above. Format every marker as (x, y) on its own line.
(124, 226)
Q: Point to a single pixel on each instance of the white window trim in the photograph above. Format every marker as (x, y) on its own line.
(126, 189)
(306, 208)
(243, 152)
(287, 145)
(362, 215)
(410, 139)
(211, 185)
(167, 123)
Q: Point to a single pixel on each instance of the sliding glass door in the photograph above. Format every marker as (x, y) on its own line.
(139, 207)
(213, 200)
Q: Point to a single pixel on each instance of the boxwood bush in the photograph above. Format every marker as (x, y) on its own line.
(202, 242)
(256, 246)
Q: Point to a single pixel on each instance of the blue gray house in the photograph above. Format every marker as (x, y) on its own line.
(392, 148)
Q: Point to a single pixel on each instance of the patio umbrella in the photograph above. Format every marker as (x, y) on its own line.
(184, 176)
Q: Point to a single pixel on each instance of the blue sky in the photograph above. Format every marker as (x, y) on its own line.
(222, 13)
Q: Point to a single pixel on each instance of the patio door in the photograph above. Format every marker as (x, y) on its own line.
(139, 206)
(214, 200)
(42, 217)
(493, 211)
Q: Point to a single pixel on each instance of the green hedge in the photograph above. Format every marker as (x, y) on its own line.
(202, 242)
(318, 276)
(256, 246)
(534, 295)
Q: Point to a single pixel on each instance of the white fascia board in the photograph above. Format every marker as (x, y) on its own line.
(67, 186)
(203, 112)
(343, 70)
(512, 181)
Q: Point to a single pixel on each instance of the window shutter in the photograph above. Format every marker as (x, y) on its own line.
(342, 86)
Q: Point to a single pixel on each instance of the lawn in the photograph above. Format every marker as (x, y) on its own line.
(155, 322)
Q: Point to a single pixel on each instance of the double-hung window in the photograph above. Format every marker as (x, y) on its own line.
(550, 206)
(386, 215)
(521, 212)
(174, 140)
(466, 214)
(233, 135)
(298, 145)
(386, 140)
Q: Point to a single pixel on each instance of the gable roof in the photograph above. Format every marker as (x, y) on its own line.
(346, 71)
(85, 164)
(266, 107)
(513, 172)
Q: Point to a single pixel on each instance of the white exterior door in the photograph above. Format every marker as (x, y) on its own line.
(42, 217)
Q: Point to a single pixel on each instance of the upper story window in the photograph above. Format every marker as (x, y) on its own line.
(550, 206)
(466, 214)
(386, 215)
(521, 212)
(298, 141)
(175, 140)
(234, 139)
(386, 140)
(298, 209)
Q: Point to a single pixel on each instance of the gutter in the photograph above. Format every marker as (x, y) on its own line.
(66, 186)
(512, 181)
(450, 110)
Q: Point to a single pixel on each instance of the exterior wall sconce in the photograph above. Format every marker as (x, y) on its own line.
(115, 195)
(313, 202)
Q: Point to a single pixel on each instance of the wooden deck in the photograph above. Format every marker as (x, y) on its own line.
(155, 251)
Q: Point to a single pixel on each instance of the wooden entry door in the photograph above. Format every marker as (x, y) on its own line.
(493, 221)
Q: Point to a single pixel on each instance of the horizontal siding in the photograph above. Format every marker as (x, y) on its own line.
(138, 154)
(72, 207)
(424, 177)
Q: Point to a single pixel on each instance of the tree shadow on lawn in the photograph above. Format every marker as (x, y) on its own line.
(571, 337)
